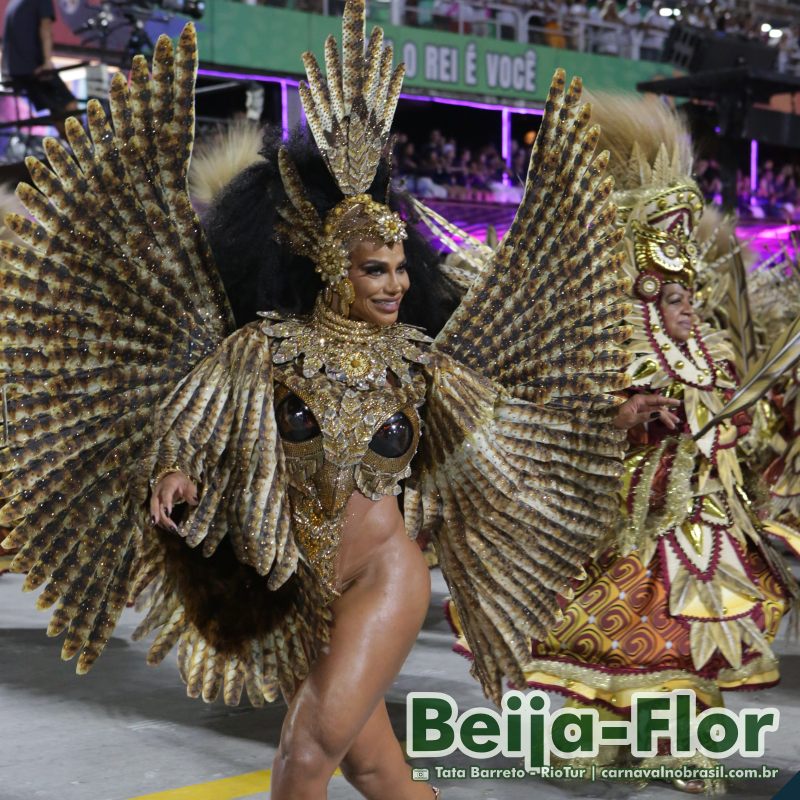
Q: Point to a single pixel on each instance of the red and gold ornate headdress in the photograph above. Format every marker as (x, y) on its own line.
(659, 205)
(657, 200)
(661, 216)
(350, 114)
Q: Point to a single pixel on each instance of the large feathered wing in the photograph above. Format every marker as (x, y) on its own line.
(241, 606)
(112, 300)
(518, 475)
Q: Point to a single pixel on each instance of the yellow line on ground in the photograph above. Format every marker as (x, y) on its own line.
(239, 786)
(223, 789)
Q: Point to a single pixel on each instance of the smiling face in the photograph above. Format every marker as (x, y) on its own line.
(676, 308)
(380, 279)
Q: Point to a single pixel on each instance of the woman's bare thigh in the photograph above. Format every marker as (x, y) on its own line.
(376, 621)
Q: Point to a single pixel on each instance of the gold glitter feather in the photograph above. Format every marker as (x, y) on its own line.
(350, 115)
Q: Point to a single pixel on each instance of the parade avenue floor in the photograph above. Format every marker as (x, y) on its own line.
(128, 732)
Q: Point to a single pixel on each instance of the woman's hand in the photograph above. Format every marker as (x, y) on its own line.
(172, 489)
(642, 408)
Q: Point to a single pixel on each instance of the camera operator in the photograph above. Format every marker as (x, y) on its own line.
(27, 58)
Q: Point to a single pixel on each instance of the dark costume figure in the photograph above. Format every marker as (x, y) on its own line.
(27, 56)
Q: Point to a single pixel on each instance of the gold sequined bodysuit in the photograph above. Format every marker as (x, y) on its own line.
(346, 399)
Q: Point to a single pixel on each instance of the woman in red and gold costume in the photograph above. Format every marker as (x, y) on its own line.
(689, 594)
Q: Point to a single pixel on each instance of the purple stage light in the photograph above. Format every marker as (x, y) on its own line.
(505, 118)
(450, 101)
(284, 111)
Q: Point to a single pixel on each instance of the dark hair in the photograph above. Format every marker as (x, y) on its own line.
(262, 274)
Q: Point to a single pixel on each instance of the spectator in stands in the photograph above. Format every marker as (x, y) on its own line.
(555, 14)
(403, 156)
(766, 184)
(609, 35)
(430, 170)
(766, 193)
(742, 192)
(28, 58)
(404, 161)
(632, 30)
(788, 51)
(691, 16)
(536, 21)
(749, 27)
(656, 29)
(576, 24)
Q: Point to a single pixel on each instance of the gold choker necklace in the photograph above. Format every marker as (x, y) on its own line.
(357, 353)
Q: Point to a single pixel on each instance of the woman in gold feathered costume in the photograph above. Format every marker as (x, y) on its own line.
(688, 594)
(143, 379)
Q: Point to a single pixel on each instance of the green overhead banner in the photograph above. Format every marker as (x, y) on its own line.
(265, 39)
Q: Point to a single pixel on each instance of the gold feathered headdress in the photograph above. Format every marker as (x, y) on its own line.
(350, 116)
(651, 162)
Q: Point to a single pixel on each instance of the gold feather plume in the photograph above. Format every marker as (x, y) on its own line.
(350, 114)
(770, 366)
(739, 318)
(520, 466)
(221, 157)
(663, 149)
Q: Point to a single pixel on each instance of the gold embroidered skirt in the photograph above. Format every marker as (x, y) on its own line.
(618, 636)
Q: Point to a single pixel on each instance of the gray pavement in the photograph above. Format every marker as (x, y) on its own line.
(128, 730)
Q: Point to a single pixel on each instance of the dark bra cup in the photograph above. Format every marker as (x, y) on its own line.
(394, 438)
(296, 422)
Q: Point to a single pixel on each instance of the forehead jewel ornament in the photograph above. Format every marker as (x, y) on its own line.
(661, 209)
(350, 116)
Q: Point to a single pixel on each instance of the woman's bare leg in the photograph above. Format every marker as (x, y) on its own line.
(376, 765)
(376, 621)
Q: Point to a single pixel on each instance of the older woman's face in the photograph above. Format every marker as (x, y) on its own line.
(676, 308)
(380, 279)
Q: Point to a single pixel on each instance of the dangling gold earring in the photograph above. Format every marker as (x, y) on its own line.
(347, 294)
